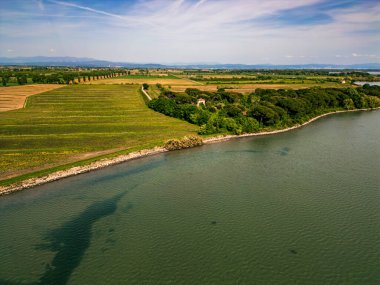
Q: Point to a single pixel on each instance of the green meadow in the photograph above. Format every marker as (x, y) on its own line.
(77, 124)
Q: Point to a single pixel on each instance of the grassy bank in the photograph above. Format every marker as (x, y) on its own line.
(78, 124)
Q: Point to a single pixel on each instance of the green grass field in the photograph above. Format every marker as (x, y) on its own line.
(154, 91)
(77, 123)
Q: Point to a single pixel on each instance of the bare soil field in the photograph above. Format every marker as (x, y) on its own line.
(182, 88)
(12, 98)
(151, 81)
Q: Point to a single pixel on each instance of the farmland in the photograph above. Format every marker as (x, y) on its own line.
(12, 98)
(242, 81)
(164, 80)
(80, 122)
(101, 112)
(248, 88)
(238, 81)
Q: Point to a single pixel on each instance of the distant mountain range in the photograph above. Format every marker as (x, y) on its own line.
(90, 62)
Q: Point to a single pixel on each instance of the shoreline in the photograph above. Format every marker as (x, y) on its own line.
(228, 137)
(102, 163)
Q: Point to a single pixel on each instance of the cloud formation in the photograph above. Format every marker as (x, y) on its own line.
(167, 31)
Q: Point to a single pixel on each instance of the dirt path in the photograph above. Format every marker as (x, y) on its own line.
(146, 93)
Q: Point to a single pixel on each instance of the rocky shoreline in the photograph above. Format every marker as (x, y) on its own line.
(78, 170)
(134, 155)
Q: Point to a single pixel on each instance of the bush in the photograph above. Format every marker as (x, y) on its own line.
(186, 142)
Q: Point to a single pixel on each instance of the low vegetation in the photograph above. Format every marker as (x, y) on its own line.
(102, 114)
(237, 113)
(80, 122)
(185, 142)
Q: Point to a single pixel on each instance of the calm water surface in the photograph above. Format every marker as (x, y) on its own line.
(301, 207)
(375, 83)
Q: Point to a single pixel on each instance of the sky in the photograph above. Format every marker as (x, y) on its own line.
(194, 31)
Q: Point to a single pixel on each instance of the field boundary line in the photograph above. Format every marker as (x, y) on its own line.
(196, 82)
(25, 102)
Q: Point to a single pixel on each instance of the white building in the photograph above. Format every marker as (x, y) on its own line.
(201, 101)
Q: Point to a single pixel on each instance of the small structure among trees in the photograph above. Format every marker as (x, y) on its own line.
(201, 101)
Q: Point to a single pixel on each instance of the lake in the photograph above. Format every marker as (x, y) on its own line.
(369, 83)
(300, 207)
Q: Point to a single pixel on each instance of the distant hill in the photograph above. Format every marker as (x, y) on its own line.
(70, 62)
(90, 62)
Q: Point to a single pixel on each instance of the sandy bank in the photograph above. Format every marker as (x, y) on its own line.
(134, 155)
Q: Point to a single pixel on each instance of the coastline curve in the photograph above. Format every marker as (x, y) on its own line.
(102, 163)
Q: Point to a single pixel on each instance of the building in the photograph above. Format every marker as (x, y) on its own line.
(201, 101)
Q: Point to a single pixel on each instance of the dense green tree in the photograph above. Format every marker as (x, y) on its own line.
(348, 104)
(193, 92)
(232, 111)
(235, 113)
(5, 79)
(265, 115)
(22, 79)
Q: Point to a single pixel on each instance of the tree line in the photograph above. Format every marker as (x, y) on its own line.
(231, 112)
(55, 76)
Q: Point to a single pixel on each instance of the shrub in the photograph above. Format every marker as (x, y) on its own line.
(186, 142)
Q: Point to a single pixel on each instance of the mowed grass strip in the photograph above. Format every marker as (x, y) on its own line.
(80, 122)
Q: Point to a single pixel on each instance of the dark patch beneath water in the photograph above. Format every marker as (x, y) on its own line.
(284, 151)
(293, 251)
(243, 151)
(70, 242)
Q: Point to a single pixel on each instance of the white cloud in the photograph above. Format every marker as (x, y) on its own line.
(40, 4)
(186, 31)
(365, 55)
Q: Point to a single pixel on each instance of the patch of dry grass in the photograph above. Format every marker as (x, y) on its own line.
(182, 88)
(13, 97)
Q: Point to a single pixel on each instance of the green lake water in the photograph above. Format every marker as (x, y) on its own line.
(302, 207)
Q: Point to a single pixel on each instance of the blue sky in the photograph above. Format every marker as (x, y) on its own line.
(194, 31)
